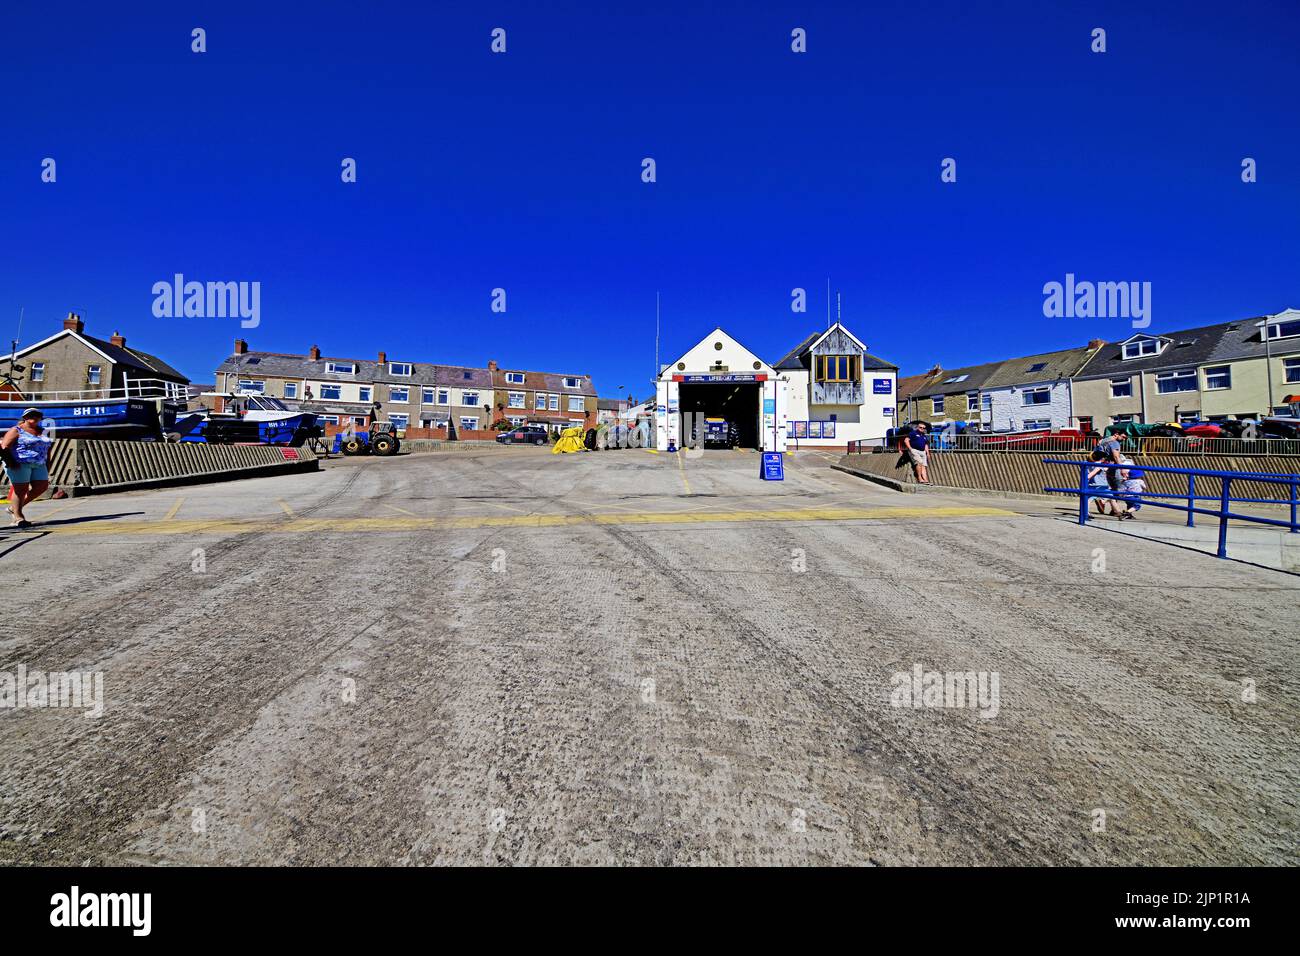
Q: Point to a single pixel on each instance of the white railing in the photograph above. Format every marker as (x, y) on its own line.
(132, 388)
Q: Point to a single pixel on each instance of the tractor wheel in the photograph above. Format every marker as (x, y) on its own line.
(354, 446)
(384, 445)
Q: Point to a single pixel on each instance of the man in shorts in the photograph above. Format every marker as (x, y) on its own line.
(915, 444)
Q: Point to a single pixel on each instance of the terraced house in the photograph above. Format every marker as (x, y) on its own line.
(953, 396)
(1210, 372)
(554, 401)
(1025, 394)
(360, 391)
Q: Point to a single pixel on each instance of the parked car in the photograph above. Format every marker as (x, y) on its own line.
(527, 435)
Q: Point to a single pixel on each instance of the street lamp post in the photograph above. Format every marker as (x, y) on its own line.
(1268, 365)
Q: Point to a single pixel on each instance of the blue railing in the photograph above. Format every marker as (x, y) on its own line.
(1085, 491)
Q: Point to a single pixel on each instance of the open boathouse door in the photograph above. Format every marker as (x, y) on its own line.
(720, 394)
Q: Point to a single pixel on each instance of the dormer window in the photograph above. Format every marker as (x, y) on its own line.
(341, 368)
(1143, 348)
(399, 368)
(571, 382)
(514, 378)
(1283, 330)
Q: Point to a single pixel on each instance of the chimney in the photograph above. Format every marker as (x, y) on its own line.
(492, 366)
(241, 347)
(118, 340)
(73, 322)
(314, 353)
(936, 370)
(1095, 344)
(383, 357)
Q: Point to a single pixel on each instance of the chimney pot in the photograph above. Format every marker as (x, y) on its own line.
(241, 347)
(73, 322)
(492, 366)
(314, 353)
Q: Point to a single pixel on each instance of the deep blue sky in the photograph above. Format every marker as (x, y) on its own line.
(522, 171)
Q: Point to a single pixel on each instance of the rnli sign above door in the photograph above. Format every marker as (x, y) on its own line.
(722, 377)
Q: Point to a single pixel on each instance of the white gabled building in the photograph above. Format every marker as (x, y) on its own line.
(838, 392)
(826, 392)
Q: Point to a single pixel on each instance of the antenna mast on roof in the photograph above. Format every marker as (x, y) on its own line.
(13, 348)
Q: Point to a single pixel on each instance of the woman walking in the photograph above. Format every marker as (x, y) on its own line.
(25, 449)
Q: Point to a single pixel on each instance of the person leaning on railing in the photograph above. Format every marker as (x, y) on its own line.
(25, 449)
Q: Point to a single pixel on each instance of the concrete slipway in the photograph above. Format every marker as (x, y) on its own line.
(506, 656)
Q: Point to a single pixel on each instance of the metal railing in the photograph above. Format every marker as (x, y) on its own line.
(1224, 498)
(1058, 444)
(136, 388)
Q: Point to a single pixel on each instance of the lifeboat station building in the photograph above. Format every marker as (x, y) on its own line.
(826, 392)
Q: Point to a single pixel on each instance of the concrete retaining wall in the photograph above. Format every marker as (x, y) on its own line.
(84, 466)
(420, 445)
(1026, 474)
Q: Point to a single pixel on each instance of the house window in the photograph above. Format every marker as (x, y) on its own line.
(1036, 396)
(469, 398)
(399, 419)
(554, 403)
(972, 401)
(517, 400)
(541, 400)
(1291, 370)
(247, 387)
(1122, 419)
(1038, 366)
(399, 393)
(1283, 330)
(38, 371)
(444, 396)
(1140, 348)
(94, 374)
(514, 378)
(426, 396)
(576, 404)
(572, 383)
(330, 419)
(290, 389)
(331, 393)
(468, 422)
(938, 402)
(341, 368)
(1181, 380)
(986, 402)
(1218, 376)
(516, 421)
(1121, 388)
(956, 379)
(1034, 424)
(837, 368)
(363, 393)
(399, 368)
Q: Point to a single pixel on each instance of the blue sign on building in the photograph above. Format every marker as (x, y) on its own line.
(773, 466)
(882, 386)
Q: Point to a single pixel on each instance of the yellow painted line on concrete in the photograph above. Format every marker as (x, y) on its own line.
(287, 509)
(682, 468)
(316, 525)
(59, 510)
(653, 451)
(174, 508)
